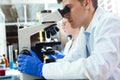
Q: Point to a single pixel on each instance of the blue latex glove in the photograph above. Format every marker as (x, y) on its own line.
(30, 65)
(57, 55)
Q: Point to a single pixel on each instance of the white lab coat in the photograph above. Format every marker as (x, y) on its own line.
(104, 47)
(71, 54)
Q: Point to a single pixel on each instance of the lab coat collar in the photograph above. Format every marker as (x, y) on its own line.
(99, 11)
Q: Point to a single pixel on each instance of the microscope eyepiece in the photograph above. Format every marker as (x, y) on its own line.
(64, 11)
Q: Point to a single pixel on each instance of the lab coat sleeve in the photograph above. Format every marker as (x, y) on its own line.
(100, 65)
(64, 70)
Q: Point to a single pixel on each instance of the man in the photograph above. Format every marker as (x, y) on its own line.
(103, 46)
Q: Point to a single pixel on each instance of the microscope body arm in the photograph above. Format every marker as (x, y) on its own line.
(24, 35)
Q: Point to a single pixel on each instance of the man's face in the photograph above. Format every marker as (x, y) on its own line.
(76, 16)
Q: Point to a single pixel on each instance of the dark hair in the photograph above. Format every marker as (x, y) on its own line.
(59, 1)
(4, 55)
(94, 3)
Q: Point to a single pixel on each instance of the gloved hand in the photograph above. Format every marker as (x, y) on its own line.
(30, 65)
(57, 55)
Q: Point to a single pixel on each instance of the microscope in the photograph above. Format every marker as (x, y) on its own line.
(49, 24)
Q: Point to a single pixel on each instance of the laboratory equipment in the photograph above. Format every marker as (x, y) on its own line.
(25, 33)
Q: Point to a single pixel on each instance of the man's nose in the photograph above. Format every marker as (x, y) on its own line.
(67, 16)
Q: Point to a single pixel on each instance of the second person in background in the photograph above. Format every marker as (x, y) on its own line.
(76, 44)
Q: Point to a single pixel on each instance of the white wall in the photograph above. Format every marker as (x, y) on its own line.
(110, 5)
(26, 1)
(118, 9)
(2, 34)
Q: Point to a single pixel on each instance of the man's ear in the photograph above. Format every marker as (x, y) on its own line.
(86, 3)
